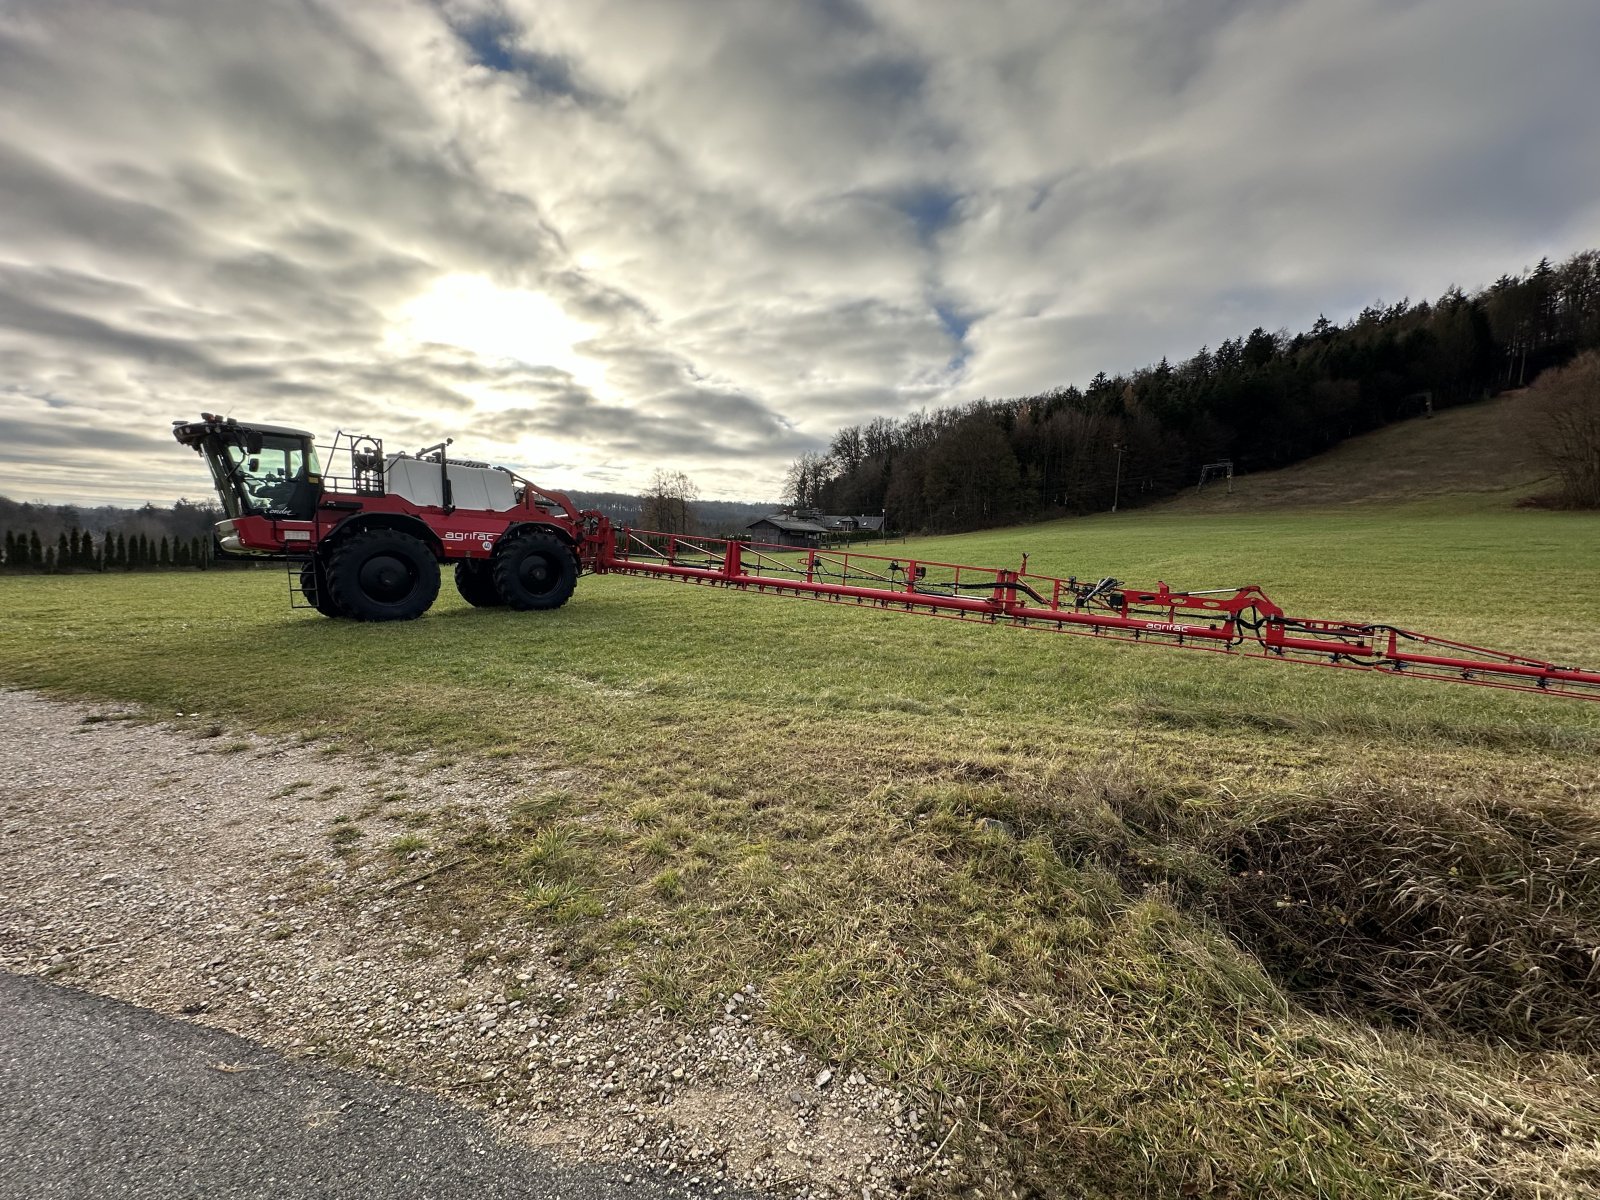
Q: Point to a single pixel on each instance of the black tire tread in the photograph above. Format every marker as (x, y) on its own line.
(509, 554)
(314, 587)
(346, 559)
(475, 582)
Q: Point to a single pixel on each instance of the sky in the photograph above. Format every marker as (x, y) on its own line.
(595, 238)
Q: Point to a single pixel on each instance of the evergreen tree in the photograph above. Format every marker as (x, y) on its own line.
(35, 549)
(122, 553)
(11, 549)
(108, 552)
(63, 552)
(164, 557)
(49, 563)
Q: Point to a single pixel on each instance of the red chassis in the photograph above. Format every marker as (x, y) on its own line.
(456, 535)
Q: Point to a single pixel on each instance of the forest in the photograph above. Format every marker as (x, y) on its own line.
(1260, 400)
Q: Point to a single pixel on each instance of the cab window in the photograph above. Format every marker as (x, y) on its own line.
(274, 481)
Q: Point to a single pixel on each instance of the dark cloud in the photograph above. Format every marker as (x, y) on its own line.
(688, 422)
(733, 415)
(88, 433)
(47, 207)
(86, 334)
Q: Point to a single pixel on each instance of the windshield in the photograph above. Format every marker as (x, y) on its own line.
(278, 480)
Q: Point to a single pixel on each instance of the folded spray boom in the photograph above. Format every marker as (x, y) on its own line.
(1242, 620)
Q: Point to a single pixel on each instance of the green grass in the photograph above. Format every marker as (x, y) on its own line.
(1033, 877)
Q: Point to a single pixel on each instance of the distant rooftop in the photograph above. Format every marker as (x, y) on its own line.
(789, 524)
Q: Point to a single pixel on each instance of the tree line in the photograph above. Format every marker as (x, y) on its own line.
(68, 538)
(1262, 400)
(81, 551)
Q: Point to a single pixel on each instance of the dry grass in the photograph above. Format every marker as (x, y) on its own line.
(1453, 911)
(1482, 448)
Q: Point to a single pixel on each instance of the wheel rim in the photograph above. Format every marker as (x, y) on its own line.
(387, 578)
(539, 573)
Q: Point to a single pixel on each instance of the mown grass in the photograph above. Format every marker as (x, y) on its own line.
(1140, 920)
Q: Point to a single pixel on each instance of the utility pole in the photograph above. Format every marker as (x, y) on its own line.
(1116, 488)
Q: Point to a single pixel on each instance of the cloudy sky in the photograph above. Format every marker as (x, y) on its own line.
(589, 238)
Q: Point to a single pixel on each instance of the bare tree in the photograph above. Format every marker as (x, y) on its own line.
(667, 503)
(847, 449)
(802, 487)
(1569, 433)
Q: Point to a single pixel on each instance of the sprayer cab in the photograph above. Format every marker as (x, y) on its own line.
(259, 470)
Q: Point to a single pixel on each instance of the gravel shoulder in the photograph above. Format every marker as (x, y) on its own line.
(198, 874)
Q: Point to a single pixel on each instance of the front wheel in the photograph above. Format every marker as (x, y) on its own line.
(535, 571)
(383, 575)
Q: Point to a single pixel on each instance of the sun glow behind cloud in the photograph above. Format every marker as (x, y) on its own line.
(493, 322)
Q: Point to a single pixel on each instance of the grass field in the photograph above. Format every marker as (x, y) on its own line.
(1133, 919)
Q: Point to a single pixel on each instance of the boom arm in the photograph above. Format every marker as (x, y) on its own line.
(1229, 621)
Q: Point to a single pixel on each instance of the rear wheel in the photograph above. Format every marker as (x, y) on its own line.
(314, 587)
(382, 575)
(535, 571)
(475, 582)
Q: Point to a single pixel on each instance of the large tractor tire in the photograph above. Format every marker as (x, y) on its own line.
(314, 587)
(475, 582)
(535, 570)
(383, 575)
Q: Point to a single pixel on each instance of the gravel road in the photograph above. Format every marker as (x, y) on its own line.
(199, 874)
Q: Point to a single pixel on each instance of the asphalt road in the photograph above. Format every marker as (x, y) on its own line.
(101, 1099)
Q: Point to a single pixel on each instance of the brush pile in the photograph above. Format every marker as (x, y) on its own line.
(1479, 915)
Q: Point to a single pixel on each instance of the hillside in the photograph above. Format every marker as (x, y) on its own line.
(1264, 400)
(1478, 449)
(717, 517)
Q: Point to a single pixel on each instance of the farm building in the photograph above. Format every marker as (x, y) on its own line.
(851, 524)
(786, 531)
(808, 528)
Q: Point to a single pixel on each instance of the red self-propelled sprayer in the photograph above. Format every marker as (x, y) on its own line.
(368, 544)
